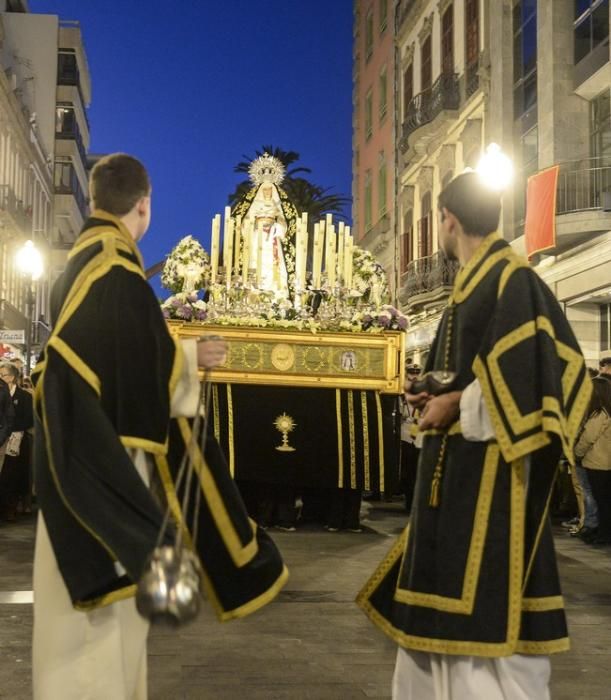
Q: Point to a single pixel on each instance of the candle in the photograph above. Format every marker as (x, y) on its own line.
(226, 241)
(348, 257)
(340, 251)
(304, 247)
(259, 255)
(246, 233)
(332, 255)
(229, 250)
(237, 238)
(317, 257)
(214, 247)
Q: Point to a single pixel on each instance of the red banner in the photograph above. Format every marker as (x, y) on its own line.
(540, 224)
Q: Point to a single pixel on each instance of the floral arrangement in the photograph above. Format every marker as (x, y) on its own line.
(387, 318)
(187, 267)
(185, 306)
(368, 276)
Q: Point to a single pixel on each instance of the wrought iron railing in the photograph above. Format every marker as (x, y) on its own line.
(584, 184)
(424, 107)
(472, 78)
(426, 274)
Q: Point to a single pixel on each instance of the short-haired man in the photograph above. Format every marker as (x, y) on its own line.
(470, 591)
(110, 381)
(604, 368)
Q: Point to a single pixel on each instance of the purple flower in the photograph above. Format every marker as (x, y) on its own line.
(166, 313)
(176, 303)
(384, 321)
(402, 322)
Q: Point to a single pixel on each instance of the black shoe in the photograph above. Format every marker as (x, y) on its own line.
(587, 534)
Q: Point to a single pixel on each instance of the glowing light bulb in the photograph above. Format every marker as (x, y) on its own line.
(495, 169)
(29, 260)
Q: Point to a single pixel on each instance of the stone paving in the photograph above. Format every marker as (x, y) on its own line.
(312, 642)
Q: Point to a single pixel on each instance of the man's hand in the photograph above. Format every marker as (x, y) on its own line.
(211, 351)
(440, 411)
(415, 400)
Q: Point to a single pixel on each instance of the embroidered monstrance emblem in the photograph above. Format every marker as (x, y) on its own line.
(285, 424)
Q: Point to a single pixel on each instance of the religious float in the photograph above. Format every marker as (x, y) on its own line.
(307, 393)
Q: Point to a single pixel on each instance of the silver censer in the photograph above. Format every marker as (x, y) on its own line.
(169, 590)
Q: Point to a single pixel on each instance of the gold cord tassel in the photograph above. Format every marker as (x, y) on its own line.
(435, 497)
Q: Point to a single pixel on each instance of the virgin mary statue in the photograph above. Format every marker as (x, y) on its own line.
(274, 218)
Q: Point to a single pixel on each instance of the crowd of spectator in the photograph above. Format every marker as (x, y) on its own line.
(16, 428)
(591, 476)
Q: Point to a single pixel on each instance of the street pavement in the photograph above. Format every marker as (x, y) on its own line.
(312, 642)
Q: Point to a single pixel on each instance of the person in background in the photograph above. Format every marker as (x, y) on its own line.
(604, 368)
(7, 417)
(15, 481)
(470, 591)
(593, 448)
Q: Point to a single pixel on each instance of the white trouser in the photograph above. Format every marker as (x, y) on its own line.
(422, 676)
(76, 655)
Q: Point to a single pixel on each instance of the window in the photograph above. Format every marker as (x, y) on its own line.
(367, 200)
(383, 15)
(408, 88)
(524, 58)
(425, 65)
(383, 90)
(368, 115)
(67, 68)
(472, 31)
(600, 127)
(425, 229)
(605, 327)
(66, 182)
(447, 40)
(591, 26)
(382, 178)
(368, 36)
(66, 126)
(407, 243)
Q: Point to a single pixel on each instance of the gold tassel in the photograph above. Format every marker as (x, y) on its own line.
(434, 497)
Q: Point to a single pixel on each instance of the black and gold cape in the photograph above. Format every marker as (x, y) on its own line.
(475, 573)
(103, 386)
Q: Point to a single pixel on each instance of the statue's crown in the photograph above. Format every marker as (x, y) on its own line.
(266, 168)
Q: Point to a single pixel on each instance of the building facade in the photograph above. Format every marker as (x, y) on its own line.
(44, 137)
(374, 155)
(532, 76)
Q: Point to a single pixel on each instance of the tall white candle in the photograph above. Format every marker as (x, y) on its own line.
(340, 250)
(229, 250)
(214, 247)
(317, 261)
(226, 241)
(348, 257)
(260, 235)
(246, 235)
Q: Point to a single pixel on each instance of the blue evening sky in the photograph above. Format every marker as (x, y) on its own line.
(189, 87)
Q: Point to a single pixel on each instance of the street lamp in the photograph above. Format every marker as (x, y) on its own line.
(29, 261)
(495, 168)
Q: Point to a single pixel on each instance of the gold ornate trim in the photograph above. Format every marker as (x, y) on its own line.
(552, 602)
(352, 437)
(340, 439)
(76, 363)
(380, 441)
(464, 604)
(230, 430)
(366, 463)
(106, 599)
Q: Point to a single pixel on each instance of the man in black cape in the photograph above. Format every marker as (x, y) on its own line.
(114, 394)
(470, 591)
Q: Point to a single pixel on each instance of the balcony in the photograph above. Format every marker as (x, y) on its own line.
(471, 79)
(13, 212)
(583, 202)
(427, 280)
(424, 108)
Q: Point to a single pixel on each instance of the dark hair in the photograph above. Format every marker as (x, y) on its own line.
(601, 396)
(117, 182)
(604, 361)
(592, 372)
(477, 207)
